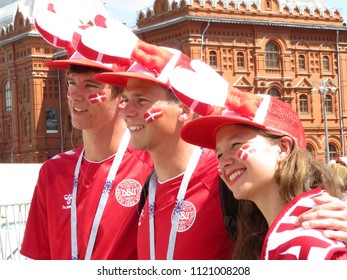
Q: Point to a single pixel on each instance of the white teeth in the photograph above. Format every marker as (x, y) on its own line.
(235, 174)
(79, 110)
(135, 127)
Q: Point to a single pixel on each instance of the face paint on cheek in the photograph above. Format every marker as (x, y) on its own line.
(68, 95)
(245, 151)
(97, 98)
(153, 114)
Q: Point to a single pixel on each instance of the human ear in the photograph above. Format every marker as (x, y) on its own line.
(185, 113)
(285, 145)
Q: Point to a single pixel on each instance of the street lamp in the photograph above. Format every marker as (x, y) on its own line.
(323, 89)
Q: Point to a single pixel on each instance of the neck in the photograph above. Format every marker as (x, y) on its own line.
(173, 161)
(100, 145)
(272, 209)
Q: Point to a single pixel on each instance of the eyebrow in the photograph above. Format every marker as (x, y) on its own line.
(133, 94)
(87, 81)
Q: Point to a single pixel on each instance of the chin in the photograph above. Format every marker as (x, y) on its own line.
(137, 146)
(236, 192)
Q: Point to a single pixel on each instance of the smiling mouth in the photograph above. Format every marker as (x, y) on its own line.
(235, 175)
(79, 110)
(135, 127)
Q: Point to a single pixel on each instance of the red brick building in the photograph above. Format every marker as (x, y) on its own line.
(270, 46)
(263, 46)
(35, 119)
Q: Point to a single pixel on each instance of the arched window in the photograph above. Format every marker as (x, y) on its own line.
(310, 149)
(213, 58)
(240, 60)
(268, 5)
(301, 61)
(332, 151)
(271, 56)
(303, 103)
(328, 104)
(326, 67)
(274, 92)
(8, 97)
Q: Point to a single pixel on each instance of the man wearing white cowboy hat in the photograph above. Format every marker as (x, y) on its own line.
(182, 216)
(85, 201)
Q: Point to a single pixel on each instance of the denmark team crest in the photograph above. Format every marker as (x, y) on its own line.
(128, 192)
(187, 217)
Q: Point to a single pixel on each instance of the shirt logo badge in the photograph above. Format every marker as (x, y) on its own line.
(188, 215)
(68, 200)
(128, 192)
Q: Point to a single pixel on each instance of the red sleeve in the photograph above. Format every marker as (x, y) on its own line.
(35, 243)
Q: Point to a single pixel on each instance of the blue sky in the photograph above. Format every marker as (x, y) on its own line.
(126, 10)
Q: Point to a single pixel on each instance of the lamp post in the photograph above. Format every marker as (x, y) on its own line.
(324, 89)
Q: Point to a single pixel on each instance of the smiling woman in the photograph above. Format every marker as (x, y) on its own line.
(262, 158)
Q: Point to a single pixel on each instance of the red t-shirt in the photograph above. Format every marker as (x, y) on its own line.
(286, 241)
(202, 234)
(48, 229)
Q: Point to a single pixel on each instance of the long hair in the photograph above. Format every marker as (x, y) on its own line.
(298, 173)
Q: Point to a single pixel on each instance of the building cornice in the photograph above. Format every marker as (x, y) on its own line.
(174, 21)
(19, 37)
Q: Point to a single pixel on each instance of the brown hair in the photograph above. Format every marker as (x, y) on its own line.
(80, 69)
(309, 174)
(339, 167)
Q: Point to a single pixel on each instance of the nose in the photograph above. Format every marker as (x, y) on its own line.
(225, 161)
(129, 110)
(75, 93)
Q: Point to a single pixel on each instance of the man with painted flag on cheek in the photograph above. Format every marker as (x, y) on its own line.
(183, 191)
(85, 201)
(181, 217)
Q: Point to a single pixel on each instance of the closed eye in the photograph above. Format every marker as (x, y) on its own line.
(235, 146)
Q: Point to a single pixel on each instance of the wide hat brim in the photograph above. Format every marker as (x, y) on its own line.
(121, 78)
(65, 64)
(202, 131)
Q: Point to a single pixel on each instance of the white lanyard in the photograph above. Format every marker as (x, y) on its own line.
(102, 202)
(193, 161)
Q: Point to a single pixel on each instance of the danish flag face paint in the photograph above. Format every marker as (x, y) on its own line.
(245, 151)
(68, 95)
(97, 98)
(153, 114)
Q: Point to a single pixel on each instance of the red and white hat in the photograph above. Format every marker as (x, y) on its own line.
(152, 63)
(157, 70)
(268, 113)
(59, 21)
(200, 87)
(78, 59)
(107, 41)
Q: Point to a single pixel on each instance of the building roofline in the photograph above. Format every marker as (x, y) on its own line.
(234, 21)
(19, 37)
